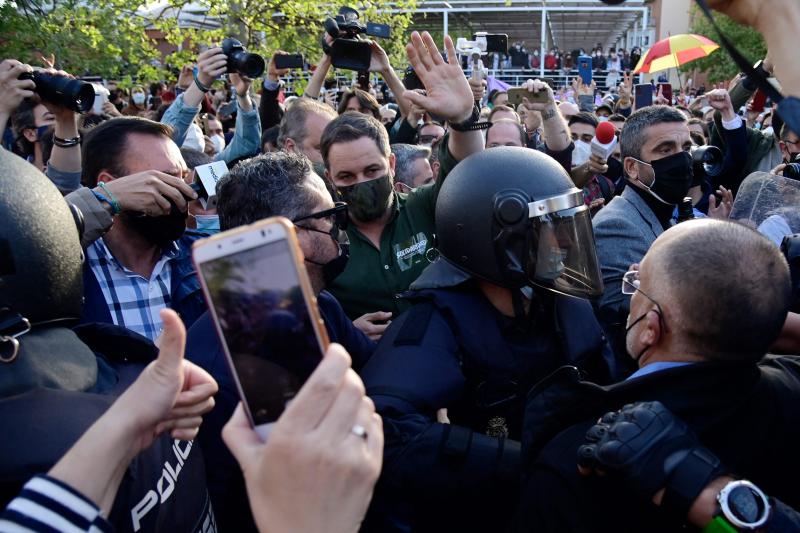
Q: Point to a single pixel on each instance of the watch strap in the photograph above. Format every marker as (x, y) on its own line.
(719, 525)
(693, 473)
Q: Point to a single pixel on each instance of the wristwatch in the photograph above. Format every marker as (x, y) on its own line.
(741, 506)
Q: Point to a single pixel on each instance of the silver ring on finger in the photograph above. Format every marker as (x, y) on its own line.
(359, 431)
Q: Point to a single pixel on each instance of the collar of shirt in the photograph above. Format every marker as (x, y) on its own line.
(103, 252)
(657, 367)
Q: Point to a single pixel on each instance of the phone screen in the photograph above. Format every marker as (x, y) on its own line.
(643, 93)
(265, 323)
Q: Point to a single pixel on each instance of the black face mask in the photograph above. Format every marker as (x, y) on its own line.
(627, 330)
(161, 231)
(333, 268)
(673, 177)
(367, 201)
(615, 169)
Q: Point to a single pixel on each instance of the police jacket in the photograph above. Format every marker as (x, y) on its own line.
(745, 413)
(454, 350)
(61, 382)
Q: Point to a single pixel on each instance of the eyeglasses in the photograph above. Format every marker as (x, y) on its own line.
(630, 285)
(337, 214)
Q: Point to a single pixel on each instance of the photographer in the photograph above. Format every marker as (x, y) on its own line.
(212, 64)
(31, 117)
(379, 63)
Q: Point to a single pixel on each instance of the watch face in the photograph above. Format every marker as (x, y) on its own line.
(745, 504)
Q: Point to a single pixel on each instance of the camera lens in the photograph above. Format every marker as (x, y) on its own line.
(707, 160)
(251, 65)
(73, 94)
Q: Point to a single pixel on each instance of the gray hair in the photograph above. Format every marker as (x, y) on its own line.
(272, 184)
(195, 158)
(405, 155)
(293, 124)
(632, 138)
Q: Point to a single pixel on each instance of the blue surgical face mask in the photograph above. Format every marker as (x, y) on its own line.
(207, 223)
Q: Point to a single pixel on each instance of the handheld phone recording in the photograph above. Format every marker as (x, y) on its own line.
(265, 313)
(643, 95)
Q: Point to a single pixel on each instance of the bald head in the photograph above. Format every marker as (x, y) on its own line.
(726, 286)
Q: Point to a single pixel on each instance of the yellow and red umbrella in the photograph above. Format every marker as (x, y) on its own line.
(675, 51)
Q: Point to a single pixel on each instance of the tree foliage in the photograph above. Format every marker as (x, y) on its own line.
(108, 38)
(719, 65)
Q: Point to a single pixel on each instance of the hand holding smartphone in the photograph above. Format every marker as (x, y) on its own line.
(265, 313)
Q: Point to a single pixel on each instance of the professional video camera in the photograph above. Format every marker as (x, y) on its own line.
(482, 43)
(74, 94)
(349, 49)
(242, 61)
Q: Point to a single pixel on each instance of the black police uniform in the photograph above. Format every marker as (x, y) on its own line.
(454, 350)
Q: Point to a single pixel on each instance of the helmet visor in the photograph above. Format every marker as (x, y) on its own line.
(562, 256)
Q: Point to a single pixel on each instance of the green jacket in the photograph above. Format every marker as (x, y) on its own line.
(374, 279)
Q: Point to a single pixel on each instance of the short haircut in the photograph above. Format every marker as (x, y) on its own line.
(273, 184)
(195, 158)
(709, 306)
(616, 117)
(584, 118)
(503, 109)
(270, 135)
(353, 126)
(520, 128)
(406, 155)
(293, 124)
(104, 146)
(632, 138)
(365, 100)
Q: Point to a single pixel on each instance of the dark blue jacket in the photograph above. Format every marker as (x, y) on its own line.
(454, 350)
(186, 296)
(203, 348)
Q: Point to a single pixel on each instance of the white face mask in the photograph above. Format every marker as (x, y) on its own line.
(138, 98)
(219, 142)
(769, 130)
(602, 118)
(581, 153)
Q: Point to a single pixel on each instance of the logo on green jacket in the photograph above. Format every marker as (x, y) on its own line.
(412, 251)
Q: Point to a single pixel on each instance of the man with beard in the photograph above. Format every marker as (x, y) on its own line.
(275, 184)
(391, 234)
(143, 263)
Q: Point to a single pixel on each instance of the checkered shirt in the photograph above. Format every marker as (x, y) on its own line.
(133, 300)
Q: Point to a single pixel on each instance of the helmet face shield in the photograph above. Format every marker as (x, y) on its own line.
(561, 253)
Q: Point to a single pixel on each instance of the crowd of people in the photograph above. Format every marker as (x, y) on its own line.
(559, 315)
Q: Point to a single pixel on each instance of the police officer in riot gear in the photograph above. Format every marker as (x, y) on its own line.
(500, 309)
(56, 381)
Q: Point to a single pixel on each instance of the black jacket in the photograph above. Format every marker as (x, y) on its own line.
(745, 413)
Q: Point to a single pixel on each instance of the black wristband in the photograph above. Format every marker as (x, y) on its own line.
(200, 86)
(66, 143)
(471, 124)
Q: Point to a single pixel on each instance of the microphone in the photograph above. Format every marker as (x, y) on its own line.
(604, 140)
(205, 182)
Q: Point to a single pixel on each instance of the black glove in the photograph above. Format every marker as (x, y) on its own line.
(651, 449)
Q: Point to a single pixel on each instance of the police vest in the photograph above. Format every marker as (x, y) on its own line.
(164, 488)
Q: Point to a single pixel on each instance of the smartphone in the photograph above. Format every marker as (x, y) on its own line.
(289, 61)
(666, 91)
(265, 313)
(495, 42)
(643, 95)
(516, 95)
(759, 101)
(585, 69)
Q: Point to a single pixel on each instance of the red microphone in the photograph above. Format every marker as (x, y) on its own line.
(604, 140)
